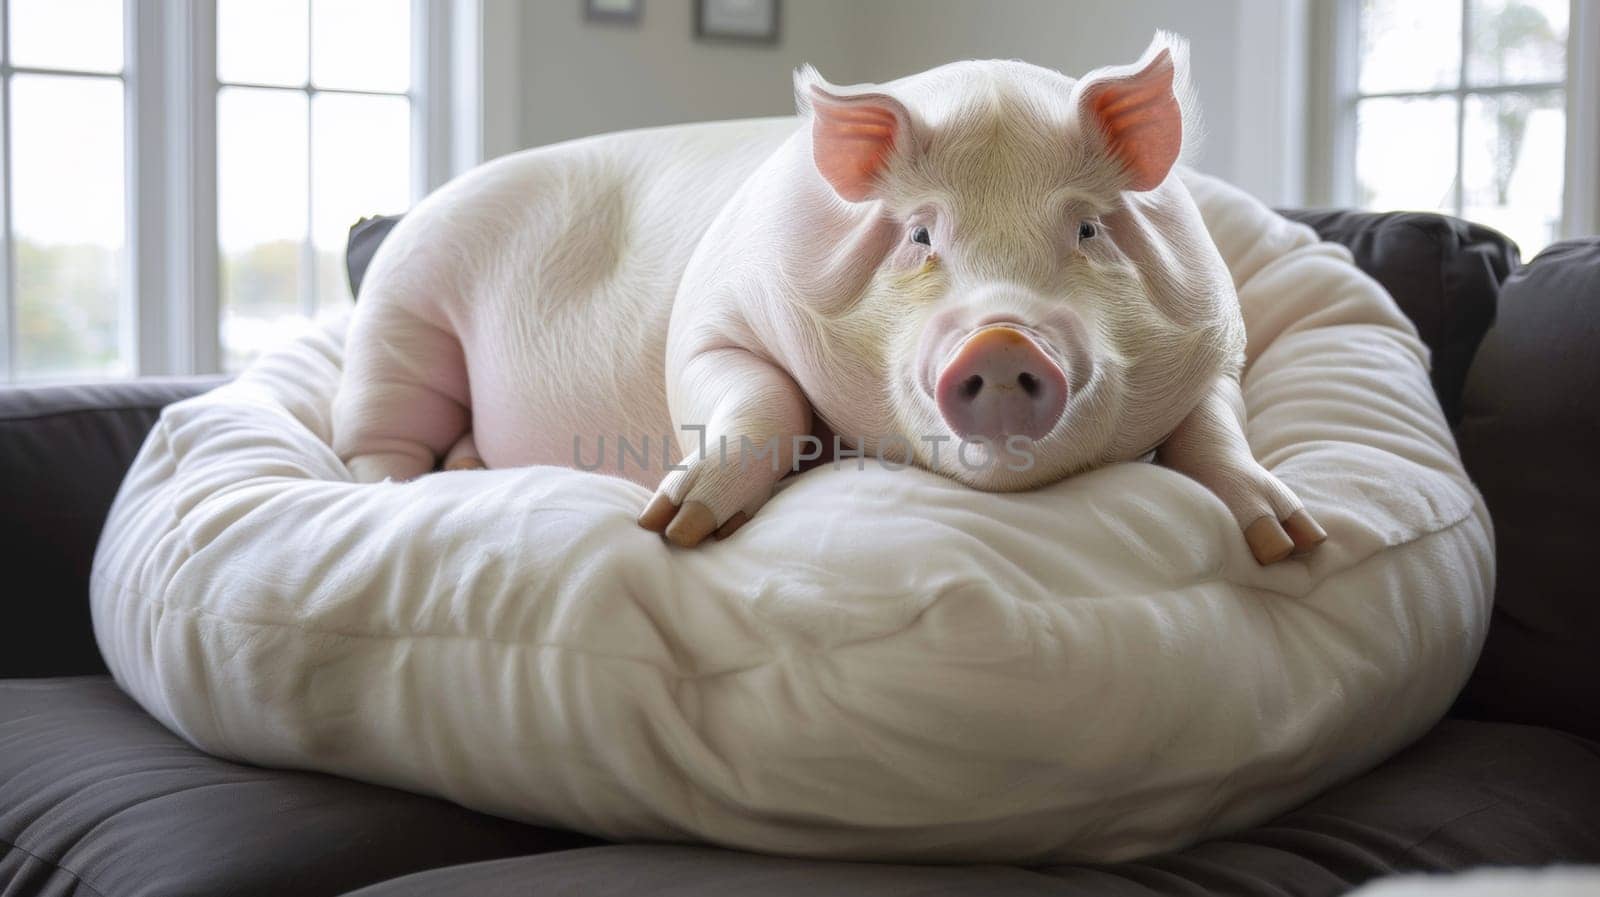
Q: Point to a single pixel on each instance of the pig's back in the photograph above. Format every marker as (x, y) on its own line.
(556, 268)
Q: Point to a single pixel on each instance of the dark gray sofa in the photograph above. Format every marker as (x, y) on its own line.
(96, 798)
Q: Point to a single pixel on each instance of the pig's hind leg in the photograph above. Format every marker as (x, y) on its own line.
(1210, 447)
(403, 399)
(464, 455)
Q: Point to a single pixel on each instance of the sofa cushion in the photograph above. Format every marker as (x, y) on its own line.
(1530, 436)
(365, 237)
(1444, 272)
(63, 450)
(96, 798)
(1468, 794)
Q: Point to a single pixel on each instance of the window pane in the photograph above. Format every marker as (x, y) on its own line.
(262, 41)
(1517, 41)
(261, 216)
(82, 35)
(1410, 44)
(1405, 153)
(361, 44)
(68, 219)
(360, 165)
(1513, 157)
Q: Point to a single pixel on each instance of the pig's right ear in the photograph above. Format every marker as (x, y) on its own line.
(1139, 111)
(854, 133)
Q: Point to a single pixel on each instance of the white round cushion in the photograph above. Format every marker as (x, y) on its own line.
(880, 665)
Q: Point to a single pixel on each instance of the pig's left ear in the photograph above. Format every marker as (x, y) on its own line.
(854, 133)
(1138, 110)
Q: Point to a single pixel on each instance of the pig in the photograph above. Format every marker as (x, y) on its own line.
(988, 258)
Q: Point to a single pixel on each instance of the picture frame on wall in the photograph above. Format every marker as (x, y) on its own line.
(625, 12)
(738, 21)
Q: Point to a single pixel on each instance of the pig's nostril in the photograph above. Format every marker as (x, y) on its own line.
(1000, 383)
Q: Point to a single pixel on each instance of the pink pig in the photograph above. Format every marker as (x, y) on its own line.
(988, 270)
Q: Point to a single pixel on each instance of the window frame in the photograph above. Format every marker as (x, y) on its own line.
(309, 287)
(1331, 143)
(8, 252)
(180, 329)
(170, 295)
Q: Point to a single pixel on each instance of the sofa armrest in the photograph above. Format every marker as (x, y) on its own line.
(63, 453)
(1530, 436)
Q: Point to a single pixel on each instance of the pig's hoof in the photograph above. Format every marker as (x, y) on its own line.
(1305, 531)
(1275, 524)
(1268, 542)
(690, 526)
(657, 514)
(685, 526)
(377, 467)
(704, 497)
(1271, 540)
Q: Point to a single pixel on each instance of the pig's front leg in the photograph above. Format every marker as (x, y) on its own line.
(1209, 446)
(752, 413)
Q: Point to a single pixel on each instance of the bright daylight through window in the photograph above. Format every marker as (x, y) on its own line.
(68, 309)
(313, 132)
(1460, 108)
(315, 105)
(178, 177)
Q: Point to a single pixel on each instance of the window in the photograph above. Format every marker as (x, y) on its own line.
(313, 132)
(62, 206)
(1461, 106)
(179, 176)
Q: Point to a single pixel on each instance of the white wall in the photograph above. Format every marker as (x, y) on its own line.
(581, 78)
(1074, 37)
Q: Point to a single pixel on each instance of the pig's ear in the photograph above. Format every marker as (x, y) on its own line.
(1138, 110)
(854, 133)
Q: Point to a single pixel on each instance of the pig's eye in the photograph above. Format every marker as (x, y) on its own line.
(920, 234)
(1086, 231)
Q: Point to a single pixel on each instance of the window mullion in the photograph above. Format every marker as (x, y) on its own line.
(192, 96)
(1581, 205)
(1346, 85)
(460, 113)
(308, 253)
(1459, 195)
(430, 96)
(8, 314)
(146, 296)
(8, 282)
(1476, 89)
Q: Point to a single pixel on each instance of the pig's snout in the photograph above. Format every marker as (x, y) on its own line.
(1000, 383)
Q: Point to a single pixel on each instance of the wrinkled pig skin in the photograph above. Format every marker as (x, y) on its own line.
(987, 255)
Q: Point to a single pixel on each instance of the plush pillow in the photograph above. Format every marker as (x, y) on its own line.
(1530, 435)
(1444, 272)
(882, 664)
